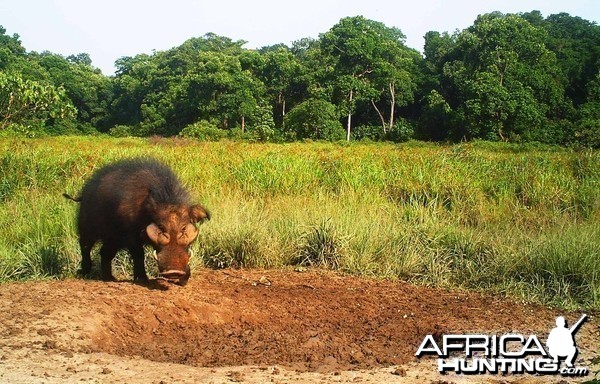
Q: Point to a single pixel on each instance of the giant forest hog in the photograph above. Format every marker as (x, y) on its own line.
(130, 203)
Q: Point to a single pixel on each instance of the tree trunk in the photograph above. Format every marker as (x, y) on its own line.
(243, 124)
(283, 115)
(281, 100)
(349, 116)
(499, 125)
(392, 105)
(380, 116)
(283, 108)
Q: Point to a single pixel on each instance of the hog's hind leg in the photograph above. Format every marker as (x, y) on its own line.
(107, 254)
(86, 258)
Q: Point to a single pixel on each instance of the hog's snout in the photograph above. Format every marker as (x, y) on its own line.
(176, 276)
(173, 274)
(173, 264)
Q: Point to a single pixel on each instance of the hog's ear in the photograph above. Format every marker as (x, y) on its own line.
(157, 235)
(198, 213)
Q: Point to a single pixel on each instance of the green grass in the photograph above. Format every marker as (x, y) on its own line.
(522, 221)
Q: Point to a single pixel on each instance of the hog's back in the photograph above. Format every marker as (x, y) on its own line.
(115, 201)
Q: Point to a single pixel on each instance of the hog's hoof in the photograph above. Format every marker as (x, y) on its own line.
(109, 278)
(140, 279)
(83, 273)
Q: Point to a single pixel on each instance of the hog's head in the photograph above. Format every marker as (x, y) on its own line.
(171, 235)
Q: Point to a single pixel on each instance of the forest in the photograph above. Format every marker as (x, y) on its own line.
(508, 77)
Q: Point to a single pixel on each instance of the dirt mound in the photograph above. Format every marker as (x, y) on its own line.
(313, 321)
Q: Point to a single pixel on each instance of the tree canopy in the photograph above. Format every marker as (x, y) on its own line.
(509, 77)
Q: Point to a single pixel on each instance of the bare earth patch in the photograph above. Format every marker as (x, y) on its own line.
(253, 326)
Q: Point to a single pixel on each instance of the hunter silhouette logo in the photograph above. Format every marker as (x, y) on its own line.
(509, 353)
(561, 340)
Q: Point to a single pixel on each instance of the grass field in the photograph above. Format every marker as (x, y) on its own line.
(517, 221)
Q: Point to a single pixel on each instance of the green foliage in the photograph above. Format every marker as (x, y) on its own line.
(587, 131)
(204, 131)
(510, 77)
(368, 56)
(121, 131)
(315, 119)
(89, 91)
(67, 127)
(11, 45)
(368, 132)
(262, 125)
(500, 78)
(402, 131)
(281, 72)
(507, 77)
(576, 43)
(588, 126)
(30, 104)
(436, 118)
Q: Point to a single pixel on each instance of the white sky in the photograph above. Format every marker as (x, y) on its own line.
(110, 29)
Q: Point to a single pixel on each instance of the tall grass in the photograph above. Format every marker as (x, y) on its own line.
(520, 221)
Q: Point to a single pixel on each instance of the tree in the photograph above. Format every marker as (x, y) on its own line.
(133, 81)
(26, 102)
(81, 58)
(370, 61)
(587, 132)
(10, 45)
(208, 78)
(499, 78)
(262, 124)
(315, 119)
(279, 72)
(220, 89)
(316, 71)
(394, 75)
(436, 91)
(14, 58)
(352, 44)
(212, 42)
(89, 91)
(436, 118)
(576, 44)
